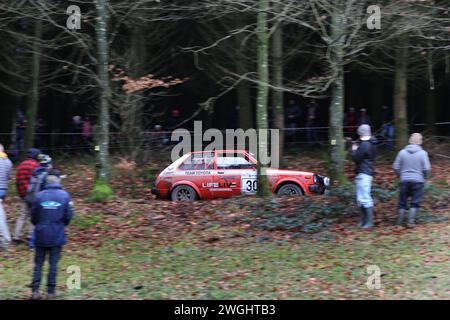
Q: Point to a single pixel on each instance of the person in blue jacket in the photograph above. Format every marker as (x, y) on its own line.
(51, 212)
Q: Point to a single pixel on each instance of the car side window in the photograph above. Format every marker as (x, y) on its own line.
(198, 161)
(233, 161)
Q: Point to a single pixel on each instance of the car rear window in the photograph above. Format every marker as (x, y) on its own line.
(198, 161)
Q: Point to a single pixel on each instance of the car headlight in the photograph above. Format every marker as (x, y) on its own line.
(326, 181)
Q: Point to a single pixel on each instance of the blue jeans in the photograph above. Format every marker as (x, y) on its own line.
(54, 254)
(388, 132)
(20, 136)
(5, 236)
(413, 190)
(363, 190)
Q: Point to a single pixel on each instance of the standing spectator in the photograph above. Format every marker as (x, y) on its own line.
(39, 135)
(412, 165)
(172, 122)
(311, 121)
(24, 171)
(293, 113)
(363, 117)
(233, 119)
(87, 130)
(5, 174)
(51, 212)
(174, 119)
(37, 180)
(76, 128)
(350, 121)
(387, 126)
(21, 125)
(363, 154)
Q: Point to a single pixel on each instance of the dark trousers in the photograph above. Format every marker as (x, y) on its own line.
(54, 254)
(413, 190)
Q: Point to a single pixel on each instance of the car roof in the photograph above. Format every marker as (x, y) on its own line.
(224, 151)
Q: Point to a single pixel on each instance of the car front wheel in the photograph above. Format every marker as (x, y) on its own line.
(290, 189)
(183, 193)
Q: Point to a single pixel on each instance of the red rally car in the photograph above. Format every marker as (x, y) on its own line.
(226, 173)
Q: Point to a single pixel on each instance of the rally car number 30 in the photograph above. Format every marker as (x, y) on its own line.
(226, 173)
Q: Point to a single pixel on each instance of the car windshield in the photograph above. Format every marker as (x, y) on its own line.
(233, 161)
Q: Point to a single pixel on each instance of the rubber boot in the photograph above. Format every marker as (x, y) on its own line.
(412, 218)
(400, 216)
(369, 218)
(362, 217)
(50, 296)
(35, 295)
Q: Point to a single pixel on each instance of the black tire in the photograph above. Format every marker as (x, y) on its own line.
(183, 193)
(289, 189)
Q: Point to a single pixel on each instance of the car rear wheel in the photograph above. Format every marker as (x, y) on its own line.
(289, 189)
(183, 193)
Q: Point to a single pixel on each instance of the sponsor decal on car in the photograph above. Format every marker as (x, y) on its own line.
(196, 173)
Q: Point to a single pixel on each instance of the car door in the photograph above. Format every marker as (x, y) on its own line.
(198, 169)
(234, 175)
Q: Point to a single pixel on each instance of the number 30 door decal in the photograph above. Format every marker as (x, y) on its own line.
(249, 184)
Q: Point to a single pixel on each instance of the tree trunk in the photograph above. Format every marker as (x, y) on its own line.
(277, 69)
(431, 111)
(244, 102)
(263, 94)
(400, 95)
(336, 133)
(138, 56)
(33, 96)
(431, 98)
(377, 89)
(243, 88)
(105, 90)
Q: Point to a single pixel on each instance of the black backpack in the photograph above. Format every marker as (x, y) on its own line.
(37, 183)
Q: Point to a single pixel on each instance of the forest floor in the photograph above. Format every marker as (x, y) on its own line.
(136, 247)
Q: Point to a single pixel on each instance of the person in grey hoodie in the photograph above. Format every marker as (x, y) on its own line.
(412, 165)
(5, 174)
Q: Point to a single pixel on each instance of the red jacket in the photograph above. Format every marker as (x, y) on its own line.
(24, 172)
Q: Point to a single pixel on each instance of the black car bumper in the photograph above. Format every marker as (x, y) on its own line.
(321, 184)
(155, 192)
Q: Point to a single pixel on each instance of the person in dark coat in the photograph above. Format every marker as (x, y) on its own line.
(293, 114)
(51, 212)
(363, 154)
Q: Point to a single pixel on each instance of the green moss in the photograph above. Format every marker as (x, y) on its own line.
(101, 192)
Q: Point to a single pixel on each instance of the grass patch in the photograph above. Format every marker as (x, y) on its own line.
(414, 268)
(87, 221)
(102, 192)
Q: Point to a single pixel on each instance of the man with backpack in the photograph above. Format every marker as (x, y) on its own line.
(24, 171)
(412, 165)
(5, 174)
(37, 184)
(51, 212)
(37, 180)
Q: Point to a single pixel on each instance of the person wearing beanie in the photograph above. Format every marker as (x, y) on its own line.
(24, 171)
(412, 165)
(37, 180)
(5, 174)
(51, 213)
(363, 154)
